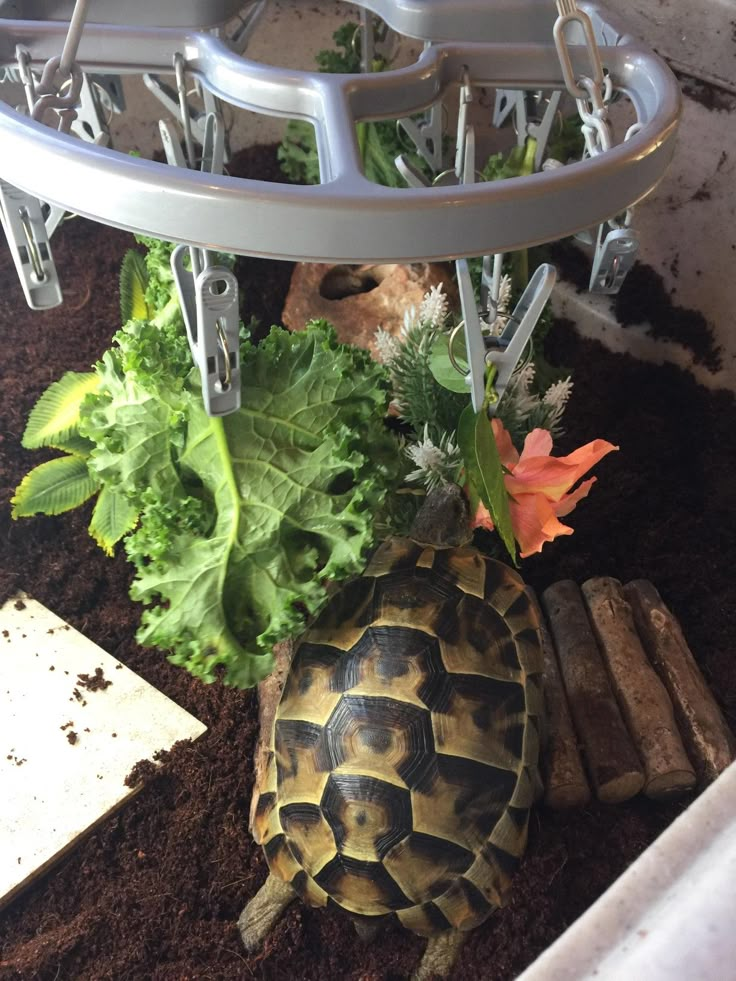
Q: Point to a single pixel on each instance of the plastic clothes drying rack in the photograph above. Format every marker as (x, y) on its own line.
(66, 53)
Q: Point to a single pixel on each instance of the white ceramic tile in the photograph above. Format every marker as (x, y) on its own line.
(52, 789)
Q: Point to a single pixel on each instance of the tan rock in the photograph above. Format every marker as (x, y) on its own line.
(360, 299)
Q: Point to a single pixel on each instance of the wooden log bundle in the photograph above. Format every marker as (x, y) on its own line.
(707, 738)
(643, 717)
(563, 773)
(644, 702)
(612, 761)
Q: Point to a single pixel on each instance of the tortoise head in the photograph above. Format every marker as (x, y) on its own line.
(443, 519)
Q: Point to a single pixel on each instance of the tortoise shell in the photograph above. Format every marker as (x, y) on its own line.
(405, 744)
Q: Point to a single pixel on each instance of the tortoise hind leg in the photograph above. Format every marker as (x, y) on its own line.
(440, 956)
(263, 911)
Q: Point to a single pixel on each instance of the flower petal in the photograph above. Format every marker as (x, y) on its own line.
(534, 523)
(554, 476)
(506, 449)
(537, 443)
(567, 503)
(482, 518)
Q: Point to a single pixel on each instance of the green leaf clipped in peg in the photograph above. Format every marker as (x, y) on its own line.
(53, 487)
(484, 468)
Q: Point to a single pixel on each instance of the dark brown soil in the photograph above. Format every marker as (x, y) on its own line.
(154, 893)
(644, 299)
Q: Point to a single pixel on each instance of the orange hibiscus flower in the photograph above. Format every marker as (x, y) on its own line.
(539, 486)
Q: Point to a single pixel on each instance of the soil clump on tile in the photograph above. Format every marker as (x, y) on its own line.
(155, 891)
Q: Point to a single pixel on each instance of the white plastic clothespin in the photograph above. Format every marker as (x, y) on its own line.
(508, 347)
(615, 254)
(209, 304)
(208, 294)
(25, 230)
(504, 104)
(426, 135)
(519, 328)
(91, 121)
(194, 123)
(514, 101)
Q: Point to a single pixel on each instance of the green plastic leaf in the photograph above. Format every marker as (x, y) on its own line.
(53, 487)
(74, 443)
(443, 370)
(485, 472)
(113, 517)
(55, 417)
(133, 285)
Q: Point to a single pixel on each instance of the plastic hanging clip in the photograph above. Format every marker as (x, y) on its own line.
(25, 230)
(474, 344)
(519, 328)
(426, 135)
(505, 102)
(209, 304)
(614, 256)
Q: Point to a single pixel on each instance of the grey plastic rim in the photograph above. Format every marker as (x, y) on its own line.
(346, 218)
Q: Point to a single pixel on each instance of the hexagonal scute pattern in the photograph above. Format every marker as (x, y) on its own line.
(406, 740)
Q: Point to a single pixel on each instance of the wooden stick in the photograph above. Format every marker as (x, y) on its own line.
(565, 783)
(709, 742)
(612, 761)
(645, 704)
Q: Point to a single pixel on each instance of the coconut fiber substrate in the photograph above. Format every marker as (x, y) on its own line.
(155, 892)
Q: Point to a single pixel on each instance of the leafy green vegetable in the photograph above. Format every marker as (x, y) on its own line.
(242, 518)
(234, 525)
(518, 162)
(568, 143)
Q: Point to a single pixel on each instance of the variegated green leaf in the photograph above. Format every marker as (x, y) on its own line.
(113, 517)
(133, 283)
(76, 444)
(55, 417)
(54, 487)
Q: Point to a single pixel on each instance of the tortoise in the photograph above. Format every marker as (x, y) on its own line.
(403, 758)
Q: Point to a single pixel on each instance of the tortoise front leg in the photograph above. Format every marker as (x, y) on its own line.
(263, 912)
(440, 956)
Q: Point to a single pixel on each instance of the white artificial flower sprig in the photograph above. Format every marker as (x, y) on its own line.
(522, 410)
(433, 411)
(416, 394)
(502, 307)
(435, 465)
